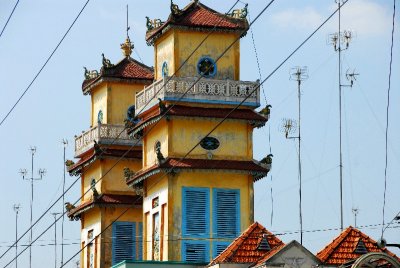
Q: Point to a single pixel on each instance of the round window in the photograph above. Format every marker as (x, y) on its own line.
(164, 69)
(209, 143)
(206, 67)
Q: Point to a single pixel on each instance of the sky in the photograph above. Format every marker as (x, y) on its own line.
(54, 108)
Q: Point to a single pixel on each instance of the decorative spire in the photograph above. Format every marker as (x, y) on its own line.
(127, 47)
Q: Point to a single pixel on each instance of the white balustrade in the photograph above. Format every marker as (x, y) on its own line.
(219, 91)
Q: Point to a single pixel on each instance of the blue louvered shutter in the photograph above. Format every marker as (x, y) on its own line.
(226, 213)
(140, 241)
(195, 251)
(218, 247)
(195, 212)
(123, 241)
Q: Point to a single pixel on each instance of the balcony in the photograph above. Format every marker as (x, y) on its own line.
(103, 134)
(211, 91)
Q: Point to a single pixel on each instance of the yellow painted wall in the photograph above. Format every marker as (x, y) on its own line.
(164, 52)
(158, 133)
(114, 181)
(99, 102)
(235, 138)
(173, 184)
(93, 171)
(214, 46)
(91, 221)
(121, 97)
(175, 46)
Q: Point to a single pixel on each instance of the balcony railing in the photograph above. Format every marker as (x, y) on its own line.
(103, 134)
(205, 91)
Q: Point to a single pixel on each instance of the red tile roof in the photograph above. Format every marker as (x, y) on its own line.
(198, 16)
(341, 249)
(105, 152)
(106, 200)
(127, 70)
(190, 111)
(177, 163)
(244, 249)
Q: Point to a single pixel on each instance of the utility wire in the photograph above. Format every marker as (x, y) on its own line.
(123, 156)
(9, 17)
(44, 65)
(387, 118)
(215, 127)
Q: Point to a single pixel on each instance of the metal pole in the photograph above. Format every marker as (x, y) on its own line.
(16, 209)
(65, 142)
(340, 124)
(33, 150)
(55, 237)
(300, 204)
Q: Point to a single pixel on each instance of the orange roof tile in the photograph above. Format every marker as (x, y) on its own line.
(198, 16)
(127, 70)
(244, 249)
(341, 249)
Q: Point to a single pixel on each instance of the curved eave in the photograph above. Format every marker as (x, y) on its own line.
(154, 114)
(173, 165)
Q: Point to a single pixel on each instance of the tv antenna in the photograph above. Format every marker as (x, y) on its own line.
(54, 214)
(16, 208)
(340, 42)
(355, 213)
(23, 173)
(65, 144)
(298, 74)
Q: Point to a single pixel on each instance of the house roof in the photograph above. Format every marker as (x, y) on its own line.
(104, 152)
(105, 200)
(277, 252)
(198, 16)
(128, 70)
(154, 113)
(244, 249)
(342, 248)
(176, 164)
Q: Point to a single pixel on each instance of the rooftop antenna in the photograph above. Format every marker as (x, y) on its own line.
(65, 144)
(298, 74)
(23, 173)
(127, 46)
(340, 42)
(355, 213)
(16, 208)
(127, 22)
(55, 237)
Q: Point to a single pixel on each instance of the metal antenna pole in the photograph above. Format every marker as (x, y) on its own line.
(55, 237)
(24, 172)
(299, 74)
(355, 212)
(65, 143)
(17, 207)
(340, 125)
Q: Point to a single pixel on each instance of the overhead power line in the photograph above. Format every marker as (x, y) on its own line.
(122, 157)
(9, 17)
(44, 65)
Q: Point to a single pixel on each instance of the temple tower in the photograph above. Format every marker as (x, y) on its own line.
(105, 196)
(194, 205)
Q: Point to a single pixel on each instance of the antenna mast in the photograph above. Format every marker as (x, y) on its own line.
(338, 39)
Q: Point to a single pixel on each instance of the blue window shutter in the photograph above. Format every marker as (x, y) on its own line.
(219, 246)
(140, 239)
(196, 251)
(123, 241)
(196, 212)
(226, 213)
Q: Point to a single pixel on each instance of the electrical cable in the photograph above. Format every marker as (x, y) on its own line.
(235, 108)
(122, 157)
(9, 17)
(387, 118)
(44, 65)
(115, 139)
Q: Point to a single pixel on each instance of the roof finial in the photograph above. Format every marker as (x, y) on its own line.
(127, 46)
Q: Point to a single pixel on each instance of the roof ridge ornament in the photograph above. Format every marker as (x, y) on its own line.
(239, 13)
(89, 74)
(128, 46)
(152, 24)
(106, 62)
(175, 11)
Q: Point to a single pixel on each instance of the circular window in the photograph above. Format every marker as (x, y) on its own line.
(209, 143)
(206, 67)
(100, 117)
(164, 69)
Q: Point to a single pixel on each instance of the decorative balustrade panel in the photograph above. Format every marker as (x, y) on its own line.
(106, 134)
(205, 89)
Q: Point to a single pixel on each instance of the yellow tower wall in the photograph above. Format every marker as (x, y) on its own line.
(93, 171)
(99, 102)
(164, 52)
(159, 133)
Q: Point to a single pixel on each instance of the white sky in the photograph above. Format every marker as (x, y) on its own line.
(54, 108)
